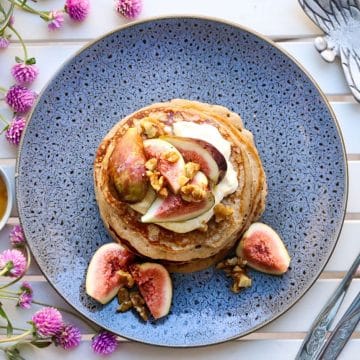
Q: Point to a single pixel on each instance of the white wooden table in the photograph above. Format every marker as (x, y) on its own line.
(282, 21)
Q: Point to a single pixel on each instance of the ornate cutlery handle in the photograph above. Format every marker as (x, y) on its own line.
(316, 337)
(342, 332)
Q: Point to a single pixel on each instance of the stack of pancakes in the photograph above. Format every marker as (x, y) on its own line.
(196, 249)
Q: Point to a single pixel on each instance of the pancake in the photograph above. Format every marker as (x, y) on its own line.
(194, 250)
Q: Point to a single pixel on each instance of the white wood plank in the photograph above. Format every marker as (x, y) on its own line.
(234, 350)
(271, 17)
(354, 189)
(50, 57)
(348, 116)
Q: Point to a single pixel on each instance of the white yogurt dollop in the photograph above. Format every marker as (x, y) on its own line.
(226, 186)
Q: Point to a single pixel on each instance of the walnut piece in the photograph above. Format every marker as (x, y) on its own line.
(123, 297)
(204, 227)
(151, 164)
(192, 193)
(163, 192)
(139, 304)
(234, 268)
(125, 279)
(191, 169)
(171, 156)
(183, 180)
(151, 127)
(156, 180)
(222, 212)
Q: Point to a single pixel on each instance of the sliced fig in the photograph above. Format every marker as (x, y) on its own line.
(127, 167)
(200, 179)
(263, 250)
(174, 208)
(155, 286)
(210, 159)
(143, 206)
(102, 279)
(172, 171)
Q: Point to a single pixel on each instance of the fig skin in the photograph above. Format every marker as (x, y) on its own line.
(263, 250)
(172, 172)
(127, 167)
(155, 286)
(102, 281)
(211, 160)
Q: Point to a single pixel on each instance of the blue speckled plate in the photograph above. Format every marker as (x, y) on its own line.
(201, 59)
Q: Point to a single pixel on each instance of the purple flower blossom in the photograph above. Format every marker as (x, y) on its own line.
(69, 337)
(20, 98)
(17, 237)
(129, 8)
(13, 135)
(25, 300)
(78, 10)
(57, 19)
(24, 73)
(104, 343)
(47, 321)
(4, 42)
(26, 287)
(14, 261)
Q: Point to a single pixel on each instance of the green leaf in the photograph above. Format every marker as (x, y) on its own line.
(31, 61)
(41, 344)
(18, 60)
(9, 328)
(13, 354)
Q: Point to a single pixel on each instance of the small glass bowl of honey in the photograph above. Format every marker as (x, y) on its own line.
(6, 197)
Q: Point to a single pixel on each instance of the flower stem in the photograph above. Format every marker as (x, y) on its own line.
(9, 265)
(8, 297)
(28, 257)
(17, 337)
(10, 292)
(3, 90)
(4, 120)
(21, 42)
(15, 328)
(31, 10)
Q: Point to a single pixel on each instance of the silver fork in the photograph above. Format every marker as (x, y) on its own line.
(314, 345)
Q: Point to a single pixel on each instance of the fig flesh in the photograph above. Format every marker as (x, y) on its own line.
(127, 167)
(263, 250)
(155, 286)
(102, 279)
(171, 171)
(173, 208)
(211, 160)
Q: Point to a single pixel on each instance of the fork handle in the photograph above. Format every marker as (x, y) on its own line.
(342, 332)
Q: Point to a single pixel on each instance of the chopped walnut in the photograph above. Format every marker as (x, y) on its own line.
(192, 193)
(191, 169)
(156, 180)
(204, 227)
(151, 164)
(151, 127)
(222, 212)
(171, 156)
(234, 268)
(125, 278)
(125, 303)
(183, 180)
(139, 304)
(163, 192)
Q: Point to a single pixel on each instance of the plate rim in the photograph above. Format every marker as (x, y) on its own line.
(237, 26)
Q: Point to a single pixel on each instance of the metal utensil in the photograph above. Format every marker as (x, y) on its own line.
(316, 337)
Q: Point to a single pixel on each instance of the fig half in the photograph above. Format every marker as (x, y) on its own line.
(264, 250)
(102, 279)
(155, 286)
(127, 167)
(171, 171)
(210, 159)
(173, 208)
